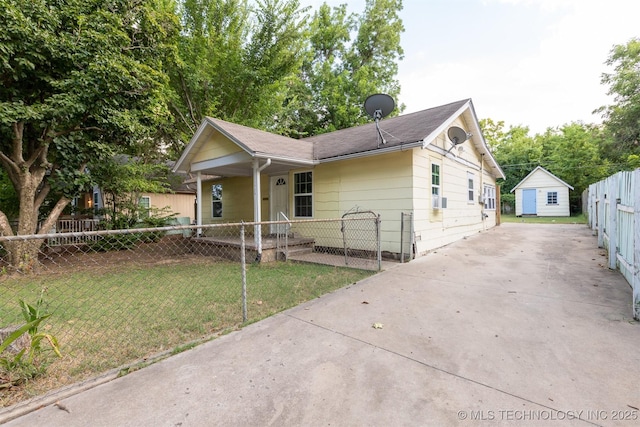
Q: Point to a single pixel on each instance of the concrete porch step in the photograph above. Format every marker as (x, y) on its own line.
(297, 251)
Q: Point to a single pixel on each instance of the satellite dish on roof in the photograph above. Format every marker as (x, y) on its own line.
(457, 136)
(378, 106)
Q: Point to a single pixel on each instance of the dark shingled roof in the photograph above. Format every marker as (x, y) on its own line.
(397, 131)
(417, 129)
(262, 142)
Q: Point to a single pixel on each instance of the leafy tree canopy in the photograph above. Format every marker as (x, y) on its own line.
(235, 61)
(572, 152)
(514, 149)
(347, 58)
(622, 118)
(77, 76)
(270, 65)
(621, 134)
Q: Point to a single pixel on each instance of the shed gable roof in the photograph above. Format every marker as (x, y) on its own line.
(541, 169)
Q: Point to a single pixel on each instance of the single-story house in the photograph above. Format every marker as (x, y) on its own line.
(541, 193)
(450, 190)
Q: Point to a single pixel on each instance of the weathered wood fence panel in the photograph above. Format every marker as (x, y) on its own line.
(614, 213)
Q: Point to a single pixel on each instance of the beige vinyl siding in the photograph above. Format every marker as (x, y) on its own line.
(216, 146)
(237, 200)
(382, 184)
(559, 209)
(181, 204)
(438, 227)
(518, 194)
(542, 208)
(388, 184)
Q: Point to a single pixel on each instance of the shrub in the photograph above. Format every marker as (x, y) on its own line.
(29, 362)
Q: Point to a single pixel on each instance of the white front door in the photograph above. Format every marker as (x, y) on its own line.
(279, 199)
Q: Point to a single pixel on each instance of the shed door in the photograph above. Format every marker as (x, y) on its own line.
(529, 202)
(279, 200)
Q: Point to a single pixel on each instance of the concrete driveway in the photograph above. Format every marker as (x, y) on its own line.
(520, 325)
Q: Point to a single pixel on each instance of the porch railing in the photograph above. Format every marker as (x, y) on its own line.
(282, 233)
(64, 226)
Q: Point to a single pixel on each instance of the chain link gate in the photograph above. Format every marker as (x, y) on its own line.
(363, 223)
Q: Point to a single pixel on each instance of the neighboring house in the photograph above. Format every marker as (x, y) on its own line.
(180, 201)
(450, 191)
(541, 193)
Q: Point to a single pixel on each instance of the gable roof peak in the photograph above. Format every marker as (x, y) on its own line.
(540, 168)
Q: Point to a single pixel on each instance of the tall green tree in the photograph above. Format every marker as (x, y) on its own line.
(622, 118)
(514, 149)
(77, 77)
(347, 58)
(572, 153)
(235, 61)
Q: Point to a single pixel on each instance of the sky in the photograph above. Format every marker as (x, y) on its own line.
(534, 63)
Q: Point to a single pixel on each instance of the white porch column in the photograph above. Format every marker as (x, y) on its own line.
(257, 205)
(199, 203)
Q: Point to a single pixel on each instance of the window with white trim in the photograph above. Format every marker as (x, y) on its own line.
(216, 201)
(144, 203)
(435, 179)
(303, 194)
(552, 197)
(470, 188)
(489, 193)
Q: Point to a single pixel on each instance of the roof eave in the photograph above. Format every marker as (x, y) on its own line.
(483, 143)
(377, 151)
(286, 159)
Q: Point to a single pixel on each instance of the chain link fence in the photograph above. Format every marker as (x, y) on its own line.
(121, 296)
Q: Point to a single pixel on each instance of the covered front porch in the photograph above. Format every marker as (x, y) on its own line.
(226, 151)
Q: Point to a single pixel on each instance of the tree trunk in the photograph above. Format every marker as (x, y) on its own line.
(23, 254)
(27, 176)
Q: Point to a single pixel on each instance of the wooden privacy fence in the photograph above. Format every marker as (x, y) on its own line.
(613, 206)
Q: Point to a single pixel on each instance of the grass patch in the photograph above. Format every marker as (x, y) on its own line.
(575, 219)
(109, 316)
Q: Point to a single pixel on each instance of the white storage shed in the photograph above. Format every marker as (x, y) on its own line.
(541, 193)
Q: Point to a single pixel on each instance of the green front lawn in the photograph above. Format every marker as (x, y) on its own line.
(577, 219)
(113, 315)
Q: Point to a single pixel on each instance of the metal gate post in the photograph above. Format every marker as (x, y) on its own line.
(412, 237)
(244, 273)
(401, 237)
(379, 242)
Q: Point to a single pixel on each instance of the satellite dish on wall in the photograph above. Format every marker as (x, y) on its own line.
(457, 136)
(378, 106)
